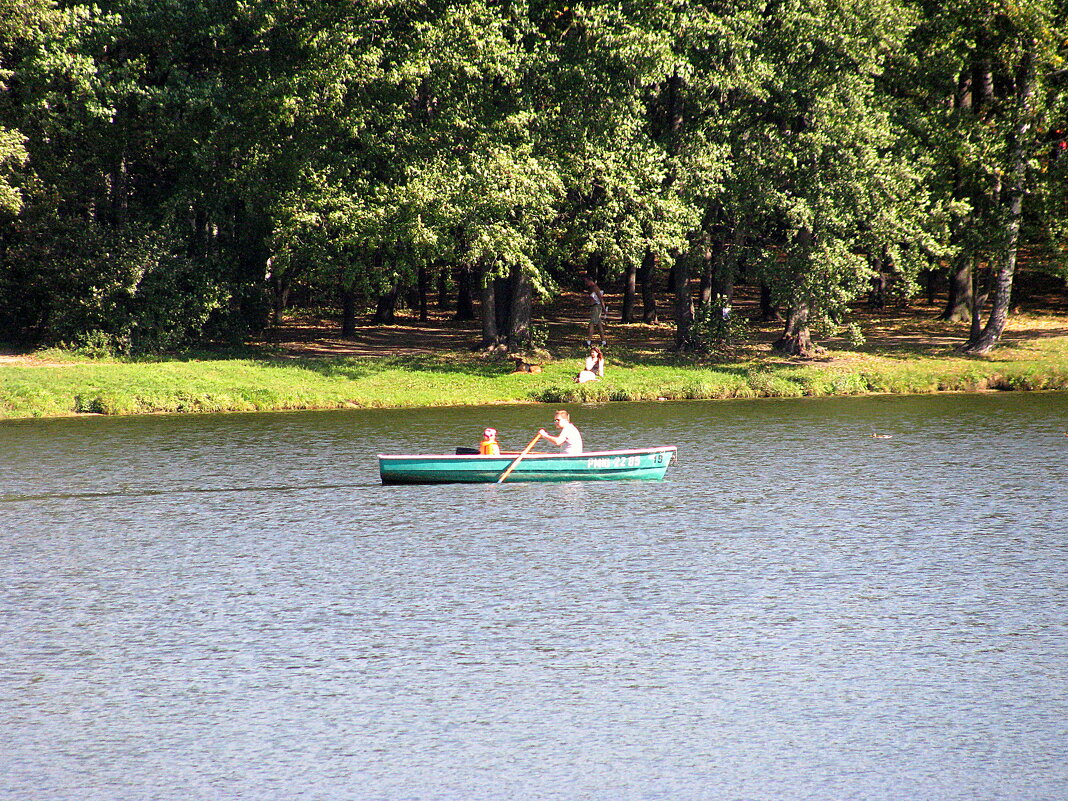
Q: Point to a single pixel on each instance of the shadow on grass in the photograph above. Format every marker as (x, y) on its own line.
(896, 334)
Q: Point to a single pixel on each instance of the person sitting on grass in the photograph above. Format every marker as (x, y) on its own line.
(594, 369)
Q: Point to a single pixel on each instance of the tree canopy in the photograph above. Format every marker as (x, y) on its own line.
(180, 170)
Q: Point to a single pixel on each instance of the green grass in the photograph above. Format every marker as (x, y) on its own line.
(56, 383)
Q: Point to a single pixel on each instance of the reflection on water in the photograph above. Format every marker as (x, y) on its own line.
(234, 607)
(142, 492)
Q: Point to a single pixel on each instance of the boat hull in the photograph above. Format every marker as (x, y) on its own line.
(643, 464)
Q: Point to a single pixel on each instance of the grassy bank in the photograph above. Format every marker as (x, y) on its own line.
(56, 384)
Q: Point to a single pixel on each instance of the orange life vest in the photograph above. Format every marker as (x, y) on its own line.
(489, 447)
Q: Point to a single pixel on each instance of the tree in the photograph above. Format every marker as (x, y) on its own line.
(127, 193)
(20, 28)
(1033, 41)
(984, 92)
(624, 209)
(823, 179)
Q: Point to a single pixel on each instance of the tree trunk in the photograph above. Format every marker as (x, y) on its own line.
(386, 309)
(768, 312)
(877, 299)
(201, 236)
(999, 307)
(281, 302)
(280, 287)
(595, 267)
(489, 313)
(465, 297)
(348, 312)
(119, 189)
(683, 302)
(443, 288)
(522, 303)
(796, 339)
(646, 276)
(710, 253)
(630, 292)
(929, 279)
(249, 238)
(961, 295)
(979, 303)
(727, 272)
(422, 286)
(982, 80)
(502, 293)
(668, 116)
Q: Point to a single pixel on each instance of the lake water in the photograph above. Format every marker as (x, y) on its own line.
(232, 607)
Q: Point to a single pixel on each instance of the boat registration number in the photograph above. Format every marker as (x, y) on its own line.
(613, 461)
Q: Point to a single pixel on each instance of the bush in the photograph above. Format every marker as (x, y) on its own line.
(104, 290)
(93, 344)
(536, 339)
(718, 332)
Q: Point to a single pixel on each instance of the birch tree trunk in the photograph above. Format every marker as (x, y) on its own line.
(1002, 293)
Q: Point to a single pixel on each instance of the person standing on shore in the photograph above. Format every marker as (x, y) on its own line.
(597, 309)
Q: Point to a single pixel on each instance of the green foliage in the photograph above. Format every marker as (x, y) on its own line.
(985, 133)
(115, 291)
(167, 164)
(93, 345)
(12, 156)
(536, 340)
(822, 181)
(717, 332)
(854, 335)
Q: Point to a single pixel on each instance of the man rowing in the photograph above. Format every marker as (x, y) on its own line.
(569, 439)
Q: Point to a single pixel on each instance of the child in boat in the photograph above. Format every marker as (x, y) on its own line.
(489, 445)
(594, 369)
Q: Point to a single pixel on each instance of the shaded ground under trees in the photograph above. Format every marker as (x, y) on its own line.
(898, 328)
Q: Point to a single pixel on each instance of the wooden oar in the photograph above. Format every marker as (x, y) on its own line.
(519, 458)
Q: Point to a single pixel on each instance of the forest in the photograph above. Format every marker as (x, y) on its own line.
(180, 171)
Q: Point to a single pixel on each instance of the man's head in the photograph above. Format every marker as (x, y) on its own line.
(561, 418)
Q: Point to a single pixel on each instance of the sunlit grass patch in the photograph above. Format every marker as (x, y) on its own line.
(56, 383)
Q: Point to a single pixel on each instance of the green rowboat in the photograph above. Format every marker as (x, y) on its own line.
(639, 463)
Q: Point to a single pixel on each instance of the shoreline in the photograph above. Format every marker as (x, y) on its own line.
(68, 387)
(593, 403)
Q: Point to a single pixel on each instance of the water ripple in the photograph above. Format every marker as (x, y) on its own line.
(235, 608)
